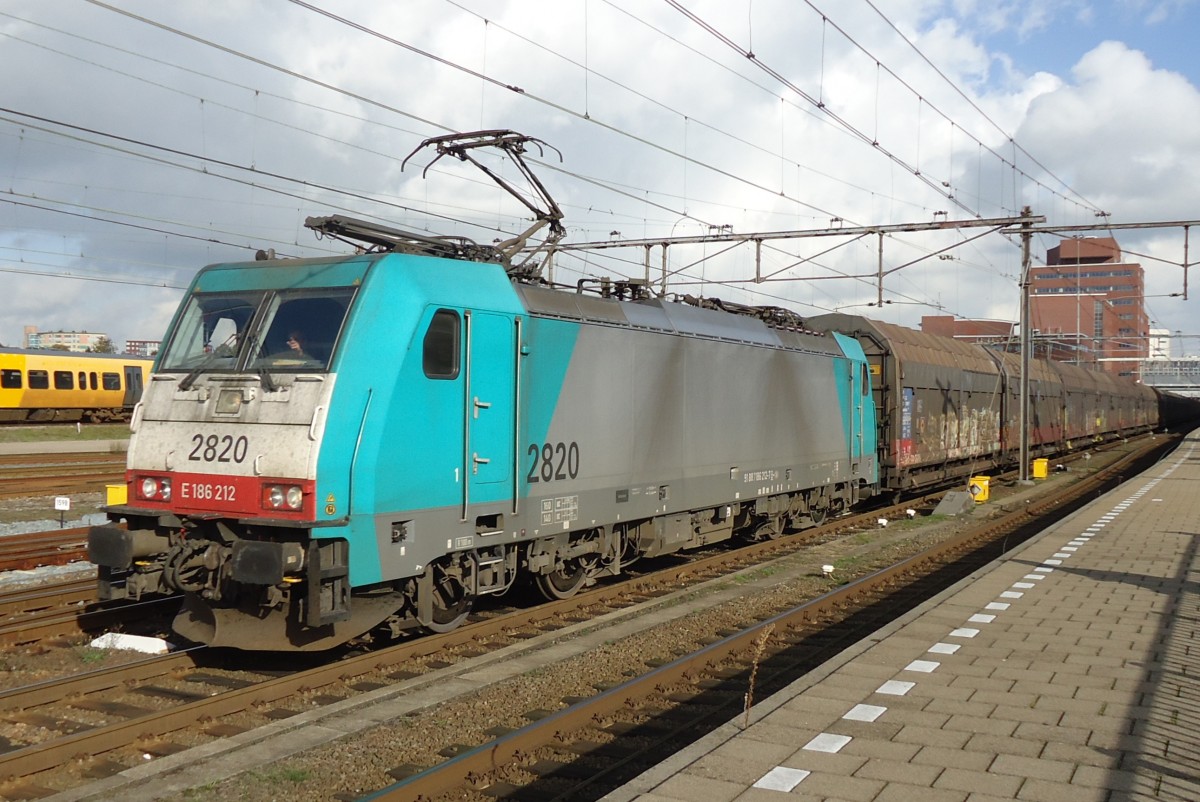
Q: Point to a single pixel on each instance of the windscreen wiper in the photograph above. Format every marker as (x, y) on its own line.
(264, 375)
(216, 353)
(190, 379)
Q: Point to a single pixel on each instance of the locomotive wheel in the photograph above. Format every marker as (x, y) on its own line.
(563, 582)
(451, 602)
(817, 515)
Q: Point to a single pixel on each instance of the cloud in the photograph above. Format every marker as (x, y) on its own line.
(1107, 128)
(664, 115)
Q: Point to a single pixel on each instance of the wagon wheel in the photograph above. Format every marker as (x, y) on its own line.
(564, 581)
(768, 528)
(451, 601)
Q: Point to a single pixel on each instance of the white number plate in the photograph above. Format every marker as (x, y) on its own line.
(204, 491)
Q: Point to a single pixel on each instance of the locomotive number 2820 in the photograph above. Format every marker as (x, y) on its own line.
(551, 461)
(219, 449)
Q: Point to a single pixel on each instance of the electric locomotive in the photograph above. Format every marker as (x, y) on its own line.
(447, 430)
(340, 446)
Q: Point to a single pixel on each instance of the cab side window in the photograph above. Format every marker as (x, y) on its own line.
(10, 379)
(440, 349)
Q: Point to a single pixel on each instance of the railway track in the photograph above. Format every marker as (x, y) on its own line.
(591, 746)
(38, 549)
(111, 717)
(35, 460)
(40, 614)
(145, 702)
(55, 596)
(24, 475)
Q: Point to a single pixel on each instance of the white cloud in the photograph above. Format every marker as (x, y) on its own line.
(1109, 128)
(758, 162)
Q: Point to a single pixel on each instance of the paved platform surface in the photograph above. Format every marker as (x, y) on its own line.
(1069, 670)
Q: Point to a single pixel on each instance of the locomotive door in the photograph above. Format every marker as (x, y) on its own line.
(859, 385)
(489, 392)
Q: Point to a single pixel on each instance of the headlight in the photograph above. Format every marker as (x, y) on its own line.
(282, 497)
(154, 488)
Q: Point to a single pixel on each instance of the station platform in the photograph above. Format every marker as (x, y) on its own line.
(1067, 670)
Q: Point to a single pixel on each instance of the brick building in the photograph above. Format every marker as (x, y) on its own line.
(142, 347)
(1092, 303)
(1002, 335)
(1086, 307)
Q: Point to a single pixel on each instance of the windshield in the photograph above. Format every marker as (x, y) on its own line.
(287, 330)
(210, 330)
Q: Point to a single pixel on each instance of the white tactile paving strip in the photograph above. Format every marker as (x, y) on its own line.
(786, 779)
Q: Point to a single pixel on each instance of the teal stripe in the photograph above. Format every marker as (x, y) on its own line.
(550, 345)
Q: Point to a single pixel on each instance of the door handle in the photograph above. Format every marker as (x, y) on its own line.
(481, 405)
(477, 461)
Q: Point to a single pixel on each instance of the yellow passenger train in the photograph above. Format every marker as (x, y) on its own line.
(46, 386)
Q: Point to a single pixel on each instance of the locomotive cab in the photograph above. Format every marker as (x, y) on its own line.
(222, 461)
(304, 417)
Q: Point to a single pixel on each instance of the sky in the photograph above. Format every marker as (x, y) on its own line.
(144, 140)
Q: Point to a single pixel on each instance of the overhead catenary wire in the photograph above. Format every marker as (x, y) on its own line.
(959, 91)
(447, 62)
(360, 27)
(581, 115)
(823, 108)
(263, 62)
(691, 118)
(585, 115)
(256, 91)
(325, 85)
(224, 163)
(507, 86)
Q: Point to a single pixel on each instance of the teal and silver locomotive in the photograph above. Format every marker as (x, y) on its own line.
(331, 448)
(446, 430)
